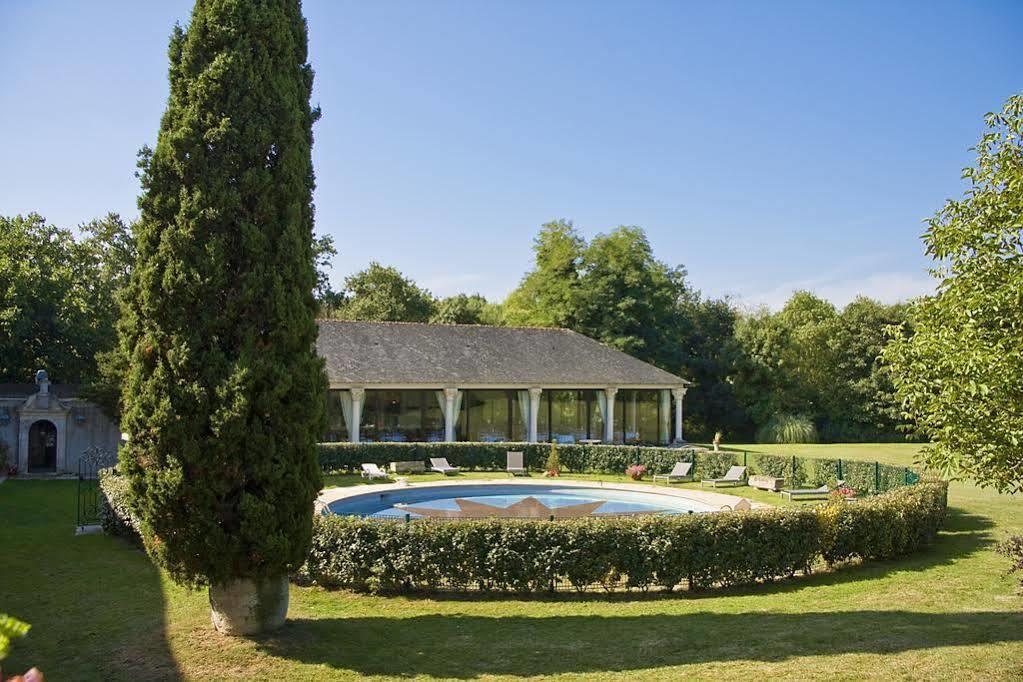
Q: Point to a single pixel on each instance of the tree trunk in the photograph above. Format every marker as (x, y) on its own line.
(249, 606)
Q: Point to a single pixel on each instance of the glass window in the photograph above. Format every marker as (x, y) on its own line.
(569, 417)
(638, 417)
(491, 416)
(337, 429)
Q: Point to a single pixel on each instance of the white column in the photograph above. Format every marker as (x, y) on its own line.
(534, 413)
(353, 429)
(450, 394)
(679, 393)
(609, 418)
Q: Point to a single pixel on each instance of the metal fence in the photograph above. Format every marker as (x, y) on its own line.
(89, 465)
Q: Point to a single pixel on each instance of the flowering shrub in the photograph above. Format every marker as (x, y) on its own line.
(553, 467)
(636, 472)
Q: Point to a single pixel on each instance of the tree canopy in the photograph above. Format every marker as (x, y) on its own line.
(223, 401)
(959, 375)
(58, 295)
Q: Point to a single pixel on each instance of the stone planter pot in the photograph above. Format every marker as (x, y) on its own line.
(249, 606)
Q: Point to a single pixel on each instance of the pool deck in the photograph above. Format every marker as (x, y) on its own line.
(718, 501)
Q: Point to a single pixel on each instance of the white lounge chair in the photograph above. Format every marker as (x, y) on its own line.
(440, 465)
(515, 464)
(682, 471)
(371, 471)
(734, 476)
(811, 493)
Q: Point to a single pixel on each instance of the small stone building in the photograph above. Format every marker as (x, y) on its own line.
(46, 427)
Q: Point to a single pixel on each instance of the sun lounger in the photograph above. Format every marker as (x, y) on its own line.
(371, 471)
(440, 465)
(807, 493)
(683, 471)
(734, 476)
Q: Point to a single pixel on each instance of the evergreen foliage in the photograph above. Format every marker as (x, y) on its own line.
(223, 400)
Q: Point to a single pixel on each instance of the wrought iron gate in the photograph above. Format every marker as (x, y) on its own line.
(89, 465)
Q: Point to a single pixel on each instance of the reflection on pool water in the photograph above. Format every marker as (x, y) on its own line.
(511, 500)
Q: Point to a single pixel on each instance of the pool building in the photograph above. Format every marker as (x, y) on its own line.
(395, 381)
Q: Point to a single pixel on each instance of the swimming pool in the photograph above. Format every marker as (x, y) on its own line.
(512, 500)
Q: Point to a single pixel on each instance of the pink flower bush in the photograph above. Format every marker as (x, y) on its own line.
(636, 472)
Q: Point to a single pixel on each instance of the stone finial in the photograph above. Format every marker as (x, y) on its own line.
(43, 381)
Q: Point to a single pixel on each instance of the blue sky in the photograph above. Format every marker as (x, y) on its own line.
(765, 146)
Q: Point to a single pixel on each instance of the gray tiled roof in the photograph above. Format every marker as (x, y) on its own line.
(450, 354)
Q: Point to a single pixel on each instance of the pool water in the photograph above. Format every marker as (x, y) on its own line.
(511, 500)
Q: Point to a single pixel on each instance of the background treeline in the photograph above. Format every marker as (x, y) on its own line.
(807, 372)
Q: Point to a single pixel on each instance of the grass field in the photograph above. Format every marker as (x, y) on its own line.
(101, 611)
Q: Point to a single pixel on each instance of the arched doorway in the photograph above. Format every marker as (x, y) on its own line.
(42, 447)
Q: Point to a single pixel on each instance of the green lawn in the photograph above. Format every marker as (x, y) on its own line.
(101, 611)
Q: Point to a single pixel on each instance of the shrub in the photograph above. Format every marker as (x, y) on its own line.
(115, 515)
(884, 526)
(636, 472)
(787, 428)
(4, 456)
(553, 465)
(1012, 548)
(642, 552)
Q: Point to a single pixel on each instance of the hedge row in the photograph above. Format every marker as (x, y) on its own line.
(614, 459)
(697, 550)
(493, 456)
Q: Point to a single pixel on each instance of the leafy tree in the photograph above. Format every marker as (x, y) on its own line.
(58, 295)
(959, 376)
(461, 309)
(810, 359)
(223, 400)
(548, 294)
(383, 294)
(629, 300)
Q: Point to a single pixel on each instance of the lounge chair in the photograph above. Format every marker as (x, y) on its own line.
(683, 471)
(515, 464)
(733, 477)
(440, 465)
(371, 471)
(811, 493)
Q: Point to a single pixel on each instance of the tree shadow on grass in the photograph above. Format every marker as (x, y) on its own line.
(458, 646)
(95, 603)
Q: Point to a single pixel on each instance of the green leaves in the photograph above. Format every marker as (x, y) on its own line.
(698, 550)
(10, 629)
(222, 389)
(959, 376)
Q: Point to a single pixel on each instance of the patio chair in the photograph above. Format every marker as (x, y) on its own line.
(733, 477)
(440, 465)
(682, 471)
(371, 471)
(821, 493)
(515, 464)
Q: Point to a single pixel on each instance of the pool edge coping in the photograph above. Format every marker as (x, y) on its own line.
(328, 496)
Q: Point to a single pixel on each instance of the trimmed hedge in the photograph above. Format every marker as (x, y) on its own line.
(697, 550)
(615, 459)
(493, 456)
(114, 514)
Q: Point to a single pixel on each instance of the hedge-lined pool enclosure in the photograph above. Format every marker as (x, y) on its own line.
(864, 477)
(664, 552)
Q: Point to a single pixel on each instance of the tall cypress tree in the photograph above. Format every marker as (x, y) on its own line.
(223, 400)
